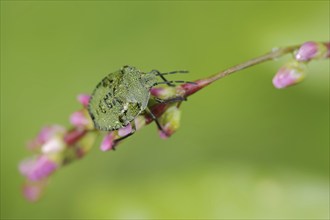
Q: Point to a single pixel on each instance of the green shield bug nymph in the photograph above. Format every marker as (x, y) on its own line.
(122, 95)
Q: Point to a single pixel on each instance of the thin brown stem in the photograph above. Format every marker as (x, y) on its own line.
(189, 89)
(276, 53)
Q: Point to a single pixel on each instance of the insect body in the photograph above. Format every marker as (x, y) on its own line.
(122, 95)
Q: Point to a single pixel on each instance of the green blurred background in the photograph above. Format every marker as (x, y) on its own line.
(244, 150)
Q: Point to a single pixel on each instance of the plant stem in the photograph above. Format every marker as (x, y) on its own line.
(269, 56)
(189, 89)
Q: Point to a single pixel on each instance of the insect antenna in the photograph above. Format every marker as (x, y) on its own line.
(175, 81)
(165, 80)
(173, 72)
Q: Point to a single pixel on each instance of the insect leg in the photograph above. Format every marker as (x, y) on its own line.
(126, 136)
(174, 99)
(155, 119)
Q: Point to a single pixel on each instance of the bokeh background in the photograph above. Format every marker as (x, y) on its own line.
(244, 149)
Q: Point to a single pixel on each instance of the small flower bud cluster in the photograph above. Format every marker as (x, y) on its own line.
(54, 147)
(295, 70)
(170, 118)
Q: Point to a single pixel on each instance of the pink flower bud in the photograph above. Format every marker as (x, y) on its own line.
(163, 135)
(74, 135)
(83, 99)
(312, 50)
(32, 191)
(108, 142)
(290, 74)
(54, 145)
(168, 130)
(78, 119)
(37, 169)
(81, 119)
(45, 135)
(125, 131)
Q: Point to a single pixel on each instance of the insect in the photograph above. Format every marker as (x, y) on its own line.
(123, 95)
